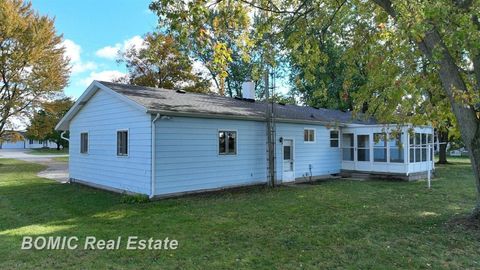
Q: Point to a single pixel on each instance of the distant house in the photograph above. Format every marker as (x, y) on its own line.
(163, 142)
(25, 143)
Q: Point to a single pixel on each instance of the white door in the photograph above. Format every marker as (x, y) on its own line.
(288, 162)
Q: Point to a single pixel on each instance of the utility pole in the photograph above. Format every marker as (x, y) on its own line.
(269, 118)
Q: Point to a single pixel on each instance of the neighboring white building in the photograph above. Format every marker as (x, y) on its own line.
(25, 143)
(163, 142)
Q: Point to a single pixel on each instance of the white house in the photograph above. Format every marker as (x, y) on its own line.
(26, 143)
(163, 142)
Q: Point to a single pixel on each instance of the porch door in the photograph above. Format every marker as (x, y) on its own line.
(288, 162)
(362, 156)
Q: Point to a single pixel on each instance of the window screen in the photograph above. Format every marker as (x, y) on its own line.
(84, 142)
(122, 143)
(227, 142)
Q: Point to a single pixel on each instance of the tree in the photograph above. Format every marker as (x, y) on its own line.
(227, 37)
(32, 63)
(160, 63)
(43, 122)
(447, 34)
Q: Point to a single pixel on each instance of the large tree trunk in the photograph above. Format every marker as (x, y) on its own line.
(452, 82)
(442, 151)
(466, 116)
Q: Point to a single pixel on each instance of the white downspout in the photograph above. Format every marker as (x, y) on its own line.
(62, 136)
(153, 161)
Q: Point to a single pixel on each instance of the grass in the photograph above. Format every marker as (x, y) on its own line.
(61, 159)
(336, 224)
(48, 151)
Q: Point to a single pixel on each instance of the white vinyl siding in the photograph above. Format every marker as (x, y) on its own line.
(102, 116)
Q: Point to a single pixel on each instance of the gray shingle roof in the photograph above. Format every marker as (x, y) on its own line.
(163, 100)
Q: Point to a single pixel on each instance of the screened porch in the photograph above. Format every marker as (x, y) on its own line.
(379, 149)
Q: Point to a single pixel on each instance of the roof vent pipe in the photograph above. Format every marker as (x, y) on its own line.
(248, 90)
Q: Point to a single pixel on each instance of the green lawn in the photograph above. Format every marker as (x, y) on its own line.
(48, 151)
(61, 159)
(336, 224)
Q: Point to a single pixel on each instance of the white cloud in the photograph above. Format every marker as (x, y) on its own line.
(107, 75)
(109, 52)
(112, 52)
(73, 52)
(81, 67)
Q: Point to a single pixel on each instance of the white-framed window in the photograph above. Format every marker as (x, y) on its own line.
(334, 137)
(30, 141)
(122, 142)
(84, 142)
(309, 135)
(396, 149)
(379, 147)
(227, 142)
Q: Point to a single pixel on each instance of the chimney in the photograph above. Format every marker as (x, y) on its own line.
(248, 90)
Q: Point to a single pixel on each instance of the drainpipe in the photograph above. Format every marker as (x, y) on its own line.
(62, 136)
(153, 161)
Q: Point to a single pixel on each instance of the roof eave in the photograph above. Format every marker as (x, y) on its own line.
(242, 117)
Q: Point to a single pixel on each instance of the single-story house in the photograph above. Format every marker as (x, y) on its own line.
(163, 142)
(25, 143)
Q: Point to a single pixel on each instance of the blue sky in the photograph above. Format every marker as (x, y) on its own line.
(94, 31)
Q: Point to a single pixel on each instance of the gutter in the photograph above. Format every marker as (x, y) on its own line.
(245, 118)
(153, 161)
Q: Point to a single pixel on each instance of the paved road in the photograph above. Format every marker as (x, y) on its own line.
(55, 170)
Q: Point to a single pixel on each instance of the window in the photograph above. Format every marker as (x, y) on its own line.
(418, 147)
(363, 153)
(227, 142)
(30, 141)
(396, 151)
(424, 147)
(334, 138)
(412, 148)
(430, 142)
(309, 135)
(379, 147)
(84, 142)
(347, 146)
(122, 143)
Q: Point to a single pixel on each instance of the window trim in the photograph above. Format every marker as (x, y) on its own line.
(337, 139)
(128, 142)
(314, 135)
(218, 142)
(88, 142)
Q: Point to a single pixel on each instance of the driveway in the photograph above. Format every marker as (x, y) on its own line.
(56, 170)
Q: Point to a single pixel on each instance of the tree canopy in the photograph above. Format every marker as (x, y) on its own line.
(32, 62)
(161, 63)
(43, 122)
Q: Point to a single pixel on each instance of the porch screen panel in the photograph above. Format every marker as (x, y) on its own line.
(363, 152)
(379, 147)
(396, 149)
(347, 146)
